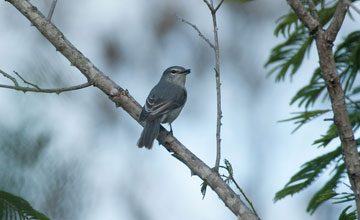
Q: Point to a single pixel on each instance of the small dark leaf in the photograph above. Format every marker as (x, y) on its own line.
(203, 188)
(229, 167)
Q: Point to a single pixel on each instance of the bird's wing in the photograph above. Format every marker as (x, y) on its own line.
(162, 100)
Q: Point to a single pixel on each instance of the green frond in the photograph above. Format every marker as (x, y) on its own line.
(304, 117)
(289, 55)
(344, 197)
(347, 58)
(356, 90)
(15, 207)
(331, 133)
(327, 191)
(308, 95)
(307, 174)
(287, 23)
(348, 216)
(326, 14)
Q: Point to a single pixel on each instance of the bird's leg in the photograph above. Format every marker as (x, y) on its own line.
(171, 131)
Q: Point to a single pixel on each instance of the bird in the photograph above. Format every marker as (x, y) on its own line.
(163, 104)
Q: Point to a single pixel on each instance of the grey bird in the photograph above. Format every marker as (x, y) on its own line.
(164, 104)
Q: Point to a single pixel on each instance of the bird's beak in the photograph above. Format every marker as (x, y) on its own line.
(187, 71)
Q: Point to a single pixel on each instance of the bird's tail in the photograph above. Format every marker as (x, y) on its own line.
(150, 132)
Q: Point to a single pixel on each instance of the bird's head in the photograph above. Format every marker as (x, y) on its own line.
(176, 75)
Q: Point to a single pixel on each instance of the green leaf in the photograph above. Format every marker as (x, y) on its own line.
(287, 23)
(290, 54)
(347, 58)
(327, 191)
(229, 168)
(348, 216)
(13, 207)
(344, 197)
(304, 117)
(307, 174)
(331, 133)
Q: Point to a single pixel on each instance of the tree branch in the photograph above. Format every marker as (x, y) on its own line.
(304, 15)
(36, 88)
(122, 98)
(337, 21)
(218, 87)
(324, 40)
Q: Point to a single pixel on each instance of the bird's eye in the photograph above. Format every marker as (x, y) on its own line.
(173, 71)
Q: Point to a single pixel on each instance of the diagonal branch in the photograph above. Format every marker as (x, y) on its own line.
(123, 99)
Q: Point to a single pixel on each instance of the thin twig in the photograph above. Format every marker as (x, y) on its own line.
(246, 198)
(9, 77)
(218, 6)
(27, 82)
(352, 102)
(35, 88)
(52, 9)
(209, 6)
(57, 91)
(352, 6)
(337, 21)
(313, 10)
(218, 93)
(197, 30)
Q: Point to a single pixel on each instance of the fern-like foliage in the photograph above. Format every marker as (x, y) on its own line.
(13, 207)
(286, 59)
(347, 216)
(309, 172)
(302, 118)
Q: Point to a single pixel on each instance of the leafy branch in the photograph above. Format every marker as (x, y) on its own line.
(15, 207)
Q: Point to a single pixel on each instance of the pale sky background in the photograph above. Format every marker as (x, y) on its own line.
(90, 167)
